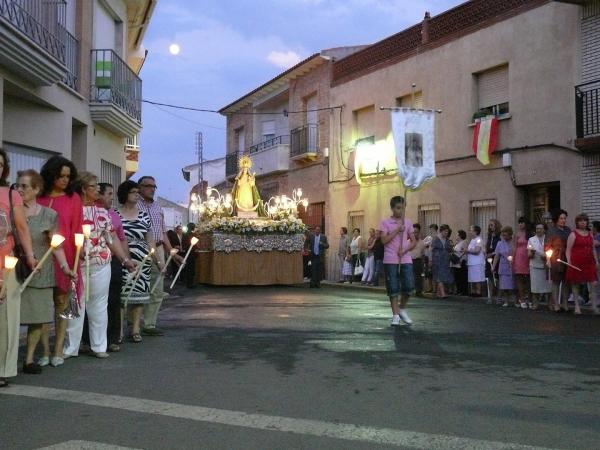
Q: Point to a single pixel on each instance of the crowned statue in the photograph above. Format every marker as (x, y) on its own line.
(246, 198)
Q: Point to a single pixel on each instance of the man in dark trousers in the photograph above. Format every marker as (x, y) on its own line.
(317, 244)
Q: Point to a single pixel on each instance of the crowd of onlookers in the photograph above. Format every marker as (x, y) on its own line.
(102, 285)
(545, 262)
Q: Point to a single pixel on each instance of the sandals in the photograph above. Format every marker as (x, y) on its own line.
(136, 338)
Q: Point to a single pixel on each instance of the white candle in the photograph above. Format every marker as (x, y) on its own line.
(55, 242)
(193, 242)
(172, 253)
(79, 240)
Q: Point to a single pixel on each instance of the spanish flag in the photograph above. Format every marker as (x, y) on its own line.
(485, 138)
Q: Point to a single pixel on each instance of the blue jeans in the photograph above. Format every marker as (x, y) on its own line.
(398, 279)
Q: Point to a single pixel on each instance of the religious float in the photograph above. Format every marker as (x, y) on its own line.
(246, 241)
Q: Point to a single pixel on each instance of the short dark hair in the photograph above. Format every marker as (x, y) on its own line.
(477, 229)
(51, 172)
(104, 186)
(444, 227)
(596, 225)
(417, 226)
(462, 234)
(124, 189)
(434, 226)
(345, 230)
(395, 200)
(556, 214)
(191, 227)
(145, 177)
(582, 216)
(356, 229)
(5, 169)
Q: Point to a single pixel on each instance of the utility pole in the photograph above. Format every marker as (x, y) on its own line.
(199, 154)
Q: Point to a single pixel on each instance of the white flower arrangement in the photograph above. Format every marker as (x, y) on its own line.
(238, 225)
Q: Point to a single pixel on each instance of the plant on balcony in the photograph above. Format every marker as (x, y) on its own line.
(482, 113)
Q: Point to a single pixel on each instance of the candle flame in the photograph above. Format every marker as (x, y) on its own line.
(10, 262)
(173, 251)
(489, 260)
(79, 239)
(194, 241)
(152, 250)
(57, 239)
(87, 230)
(549, 253)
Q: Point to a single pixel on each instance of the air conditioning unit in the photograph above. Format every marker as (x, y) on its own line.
(506, 160)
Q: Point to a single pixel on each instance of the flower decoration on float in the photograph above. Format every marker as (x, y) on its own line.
(239, 225)
(284, 207)
(213, 207)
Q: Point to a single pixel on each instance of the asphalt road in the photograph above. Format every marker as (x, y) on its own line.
(292, 367)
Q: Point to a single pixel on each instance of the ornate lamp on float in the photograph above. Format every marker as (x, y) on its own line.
(280, 207)
(217, 206)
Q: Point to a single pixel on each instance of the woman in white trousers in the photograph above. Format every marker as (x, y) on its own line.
(369, 270)
(98, 255)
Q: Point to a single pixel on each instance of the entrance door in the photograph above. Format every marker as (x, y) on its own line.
(541, 198)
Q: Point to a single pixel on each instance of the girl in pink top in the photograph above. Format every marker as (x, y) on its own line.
(520, 263)
(59, 175)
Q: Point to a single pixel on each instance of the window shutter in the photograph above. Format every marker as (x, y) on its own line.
(363, 119)
(406, 101)
(590, 42)
(492, 86)
(268, 127)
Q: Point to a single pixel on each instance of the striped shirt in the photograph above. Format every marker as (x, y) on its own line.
(155, 212)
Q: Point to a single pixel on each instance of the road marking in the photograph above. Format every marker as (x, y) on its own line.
(85, 445)
(346, 431)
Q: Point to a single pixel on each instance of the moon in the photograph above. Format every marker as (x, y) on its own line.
(174, 49)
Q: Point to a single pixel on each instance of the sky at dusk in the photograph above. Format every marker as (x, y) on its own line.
(228, 48)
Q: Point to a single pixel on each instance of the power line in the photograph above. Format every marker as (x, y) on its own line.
(188, 120)
(284, 112)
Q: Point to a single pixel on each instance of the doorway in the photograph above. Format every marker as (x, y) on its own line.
(540, 198)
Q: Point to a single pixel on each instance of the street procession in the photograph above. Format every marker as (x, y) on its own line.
(295, 227)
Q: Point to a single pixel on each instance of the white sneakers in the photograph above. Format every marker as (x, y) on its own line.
(402, 315)
(56, 361)
(405, 317)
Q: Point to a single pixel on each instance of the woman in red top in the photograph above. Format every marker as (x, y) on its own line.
(581, 254)
(59, 175)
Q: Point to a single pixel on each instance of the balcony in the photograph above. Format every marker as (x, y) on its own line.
(587, 115)
(71, 78)
(231, 164)
(33, 43)
(305, 142)
(132, 152)
(116, 94)
(271, 156)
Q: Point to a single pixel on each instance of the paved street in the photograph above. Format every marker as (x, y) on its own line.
(262, 368)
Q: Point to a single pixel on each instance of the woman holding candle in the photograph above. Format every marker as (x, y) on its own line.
(37, 307)
(583, 261)
(538, 269)
(557, 236)
(10, 299)
(503, 261)
(59, 194)
(440, 261)
(137, 227)
(475, 261)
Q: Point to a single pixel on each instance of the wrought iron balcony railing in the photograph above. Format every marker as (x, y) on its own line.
(587, 109)
(40, 20)
(231, 164)
(304, 139)
(71, 60)
(269, 143)
(114, 82)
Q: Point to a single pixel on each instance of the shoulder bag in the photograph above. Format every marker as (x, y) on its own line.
(22, 270)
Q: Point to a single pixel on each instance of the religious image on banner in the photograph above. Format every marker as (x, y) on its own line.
(414, 141)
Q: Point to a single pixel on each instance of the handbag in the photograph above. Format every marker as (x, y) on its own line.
(358, 269)
(22, 270)
(454, 258)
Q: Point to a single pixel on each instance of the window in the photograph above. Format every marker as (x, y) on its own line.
(268, 190)
(23, 158)
(311, 105)
(110, 173)
(240, 140)
(406, 101)
(364, 123)
(428, 215)
(268, 130)
(492, 90)
(356, 219)
(481, 213)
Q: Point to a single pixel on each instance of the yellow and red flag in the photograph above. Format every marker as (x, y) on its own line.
(485, 138)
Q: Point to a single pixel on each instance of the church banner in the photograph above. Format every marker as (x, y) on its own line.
(414, 140)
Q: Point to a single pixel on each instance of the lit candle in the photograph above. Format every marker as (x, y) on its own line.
(172, 253)
(55, 242)
(193, 242)
(87, 231)
(10, 262)
(549, 253)
(510, 259)
(489, 260)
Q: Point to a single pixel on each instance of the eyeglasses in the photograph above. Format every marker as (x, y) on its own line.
(95, 186)
(21, 186)
(151, 186)
(134, 192)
